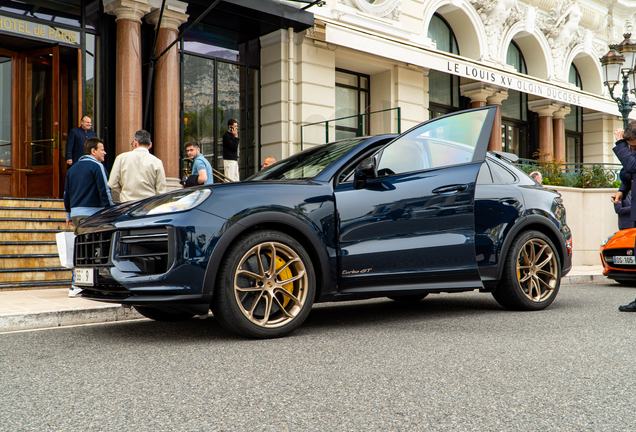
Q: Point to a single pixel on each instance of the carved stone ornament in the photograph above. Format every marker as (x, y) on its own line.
(498, 16)
(381, 8)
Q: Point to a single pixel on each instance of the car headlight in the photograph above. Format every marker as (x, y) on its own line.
(607, 239)
(178, 201)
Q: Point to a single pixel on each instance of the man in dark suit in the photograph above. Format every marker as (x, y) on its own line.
(625, 151)
(76, 139)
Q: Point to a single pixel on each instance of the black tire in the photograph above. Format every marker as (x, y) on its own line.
(255, 300)
(163, 315)
(532, 273)
(411, 298)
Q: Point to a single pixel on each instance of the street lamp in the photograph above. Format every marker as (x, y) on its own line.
(618, 65)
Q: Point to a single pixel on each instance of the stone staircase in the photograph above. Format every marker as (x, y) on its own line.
(28, 252)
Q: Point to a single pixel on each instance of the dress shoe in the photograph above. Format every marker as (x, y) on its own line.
(628, 308)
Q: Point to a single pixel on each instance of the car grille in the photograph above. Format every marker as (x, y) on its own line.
(148, 249)
(92, 249)
(608, 256)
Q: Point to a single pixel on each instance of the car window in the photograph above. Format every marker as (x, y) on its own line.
(484, 177)
(448, 141)
(309, 163)
(501, 174)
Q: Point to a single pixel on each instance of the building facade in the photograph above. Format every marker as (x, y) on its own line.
(287, 71)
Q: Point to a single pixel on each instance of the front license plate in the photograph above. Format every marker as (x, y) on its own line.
(624, 260)
(84, 276)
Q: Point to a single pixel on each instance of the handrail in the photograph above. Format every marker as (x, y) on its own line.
(360, 123)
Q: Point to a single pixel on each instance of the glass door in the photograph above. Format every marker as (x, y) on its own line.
(39, 155)
(7, 62)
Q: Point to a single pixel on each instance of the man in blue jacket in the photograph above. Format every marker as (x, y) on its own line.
(76, 139)
(86, 190)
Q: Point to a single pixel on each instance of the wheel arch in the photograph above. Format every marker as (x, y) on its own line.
(300, 230)
(533, 223)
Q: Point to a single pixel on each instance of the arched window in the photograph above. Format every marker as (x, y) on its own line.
(574, 124)
(514, 110)
(443, 89)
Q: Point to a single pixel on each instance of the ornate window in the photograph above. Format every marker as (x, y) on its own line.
(514, 110)
(443, 88)
(574, 124)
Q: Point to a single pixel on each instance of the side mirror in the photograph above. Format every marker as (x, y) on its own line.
(364, 171)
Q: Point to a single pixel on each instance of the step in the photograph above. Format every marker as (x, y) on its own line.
(31, 202)
(32, 261)
(26, 248)
(27, 235)
(33, 224)
(40, 274)
(31, 213)
(37, 285)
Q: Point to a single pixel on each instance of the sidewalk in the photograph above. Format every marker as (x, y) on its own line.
(34, 309)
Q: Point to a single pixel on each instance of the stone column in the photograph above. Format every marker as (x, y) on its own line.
(495, 136)
(545, 108)
(166, 139)
(558, 127)
(480, 95)
(128, 95)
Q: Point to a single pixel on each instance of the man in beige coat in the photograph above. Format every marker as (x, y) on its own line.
(137, 174)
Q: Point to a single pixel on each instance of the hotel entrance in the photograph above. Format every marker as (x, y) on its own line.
(34, 122)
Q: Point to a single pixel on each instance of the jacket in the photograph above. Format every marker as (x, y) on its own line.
(86, 190)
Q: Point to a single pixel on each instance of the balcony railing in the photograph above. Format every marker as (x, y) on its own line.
(575, 174)
(359, 130)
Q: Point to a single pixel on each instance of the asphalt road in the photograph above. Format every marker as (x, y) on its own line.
(448, 363)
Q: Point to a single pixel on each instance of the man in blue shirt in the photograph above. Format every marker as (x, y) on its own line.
(200, 165)
(86, 190)
(76, 139)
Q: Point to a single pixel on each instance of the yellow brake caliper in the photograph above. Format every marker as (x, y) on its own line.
(284, 275)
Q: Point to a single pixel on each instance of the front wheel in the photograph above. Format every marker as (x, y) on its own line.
(266, 286)
(532, 273)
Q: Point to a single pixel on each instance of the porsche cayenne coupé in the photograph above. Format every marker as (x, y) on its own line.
(428, 211)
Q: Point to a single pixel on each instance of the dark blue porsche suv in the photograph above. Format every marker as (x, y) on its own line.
(428, 211)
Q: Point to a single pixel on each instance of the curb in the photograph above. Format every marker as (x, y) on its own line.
(68, 317)
(585, 279)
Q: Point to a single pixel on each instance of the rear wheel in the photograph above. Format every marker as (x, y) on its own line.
(163, 315)
(266, 286)
(532, 273)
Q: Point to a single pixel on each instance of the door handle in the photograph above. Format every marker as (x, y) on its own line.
(17, 169)
(509, 201)
(450, 189)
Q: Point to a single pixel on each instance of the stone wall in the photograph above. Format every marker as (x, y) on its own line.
(591, 217)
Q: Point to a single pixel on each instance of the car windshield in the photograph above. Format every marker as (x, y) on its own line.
(309, 163)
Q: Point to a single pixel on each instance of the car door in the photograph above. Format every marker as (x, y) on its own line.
(413, 226)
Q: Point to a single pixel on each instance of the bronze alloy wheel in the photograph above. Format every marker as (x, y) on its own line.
(270, 284)
(537, 270)
(532, 273)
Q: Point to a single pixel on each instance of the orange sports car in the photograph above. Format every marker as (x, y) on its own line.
(618, 257)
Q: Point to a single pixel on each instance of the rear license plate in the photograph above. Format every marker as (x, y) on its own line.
(624, 260)
(84, 276)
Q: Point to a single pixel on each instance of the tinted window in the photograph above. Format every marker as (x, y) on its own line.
(309, 163)
(447, 141)
(501, 174)
(484, 177)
